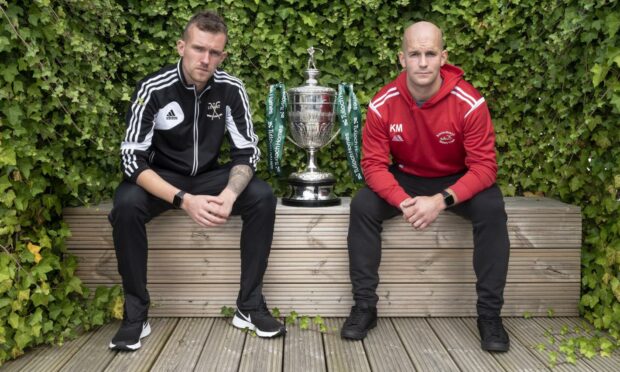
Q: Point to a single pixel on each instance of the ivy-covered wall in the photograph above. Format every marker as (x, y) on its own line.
(549, 70)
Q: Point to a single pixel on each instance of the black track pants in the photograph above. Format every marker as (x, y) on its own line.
(134, 207)
(491, 245)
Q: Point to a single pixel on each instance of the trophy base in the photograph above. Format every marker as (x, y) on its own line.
(304, 193)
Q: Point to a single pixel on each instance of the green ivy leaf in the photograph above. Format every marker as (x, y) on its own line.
(4, 302)
(291, 318)
(7, 157)
(612, 21)
(304, 322)
(9, 72)
(227, 312)
(13, 320)
(23, 338)
(40, 299)
(41, 269)
(5, 273)
(74, 285)
(14, 115)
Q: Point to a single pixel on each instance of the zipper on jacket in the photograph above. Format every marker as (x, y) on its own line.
(197, 100)
(195, 132)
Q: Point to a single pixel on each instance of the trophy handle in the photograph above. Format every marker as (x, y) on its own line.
(326, 143)
(333, 137)
(295, 143)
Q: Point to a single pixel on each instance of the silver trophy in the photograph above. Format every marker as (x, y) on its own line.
(311, 117)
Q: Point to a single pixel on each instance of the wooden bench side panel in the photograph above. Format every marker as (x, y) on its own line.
(309, 253)
(332, 266)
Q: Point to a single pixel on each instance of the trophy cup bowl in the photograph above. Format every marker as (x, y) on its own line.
(311, 123)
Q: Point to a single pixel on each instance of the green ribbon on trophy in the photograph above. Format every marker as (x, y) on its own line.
(348, 111)
(276, 129)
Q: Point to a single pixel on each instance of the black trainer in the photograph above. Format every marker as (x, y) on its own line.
(360, 321)
(129, 334)
(261, 321)
(493, 336)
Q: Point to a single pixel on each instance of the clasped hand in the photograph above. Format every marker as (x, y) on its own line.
(421, 211)
(208, 210)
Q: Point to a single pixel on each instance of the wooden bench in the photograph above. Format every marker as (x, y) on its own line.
(194, 271)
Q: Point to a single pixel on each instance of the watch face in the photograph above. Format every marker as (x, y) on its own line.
(178, 199)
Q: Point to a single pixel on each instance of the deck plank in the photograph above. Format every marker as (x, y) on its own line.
(343, 355)
(530, 333)
(463, 345)
(184, 346)
(303, 349)
(423, 346)
(385, 350)
(518, 358)
(223, 348)
(151, 347)
(94, 354)
(262, 354)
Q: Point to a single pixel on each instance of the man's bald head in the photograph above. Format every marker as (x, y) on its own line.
(422, 56)
(422, 30)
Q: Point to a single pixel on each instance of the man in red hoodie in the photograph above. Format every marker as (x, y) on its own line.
(429, 145)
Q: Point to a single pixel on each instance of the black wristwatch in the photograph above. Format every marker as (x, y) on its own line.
(447, 198)
(178, 199)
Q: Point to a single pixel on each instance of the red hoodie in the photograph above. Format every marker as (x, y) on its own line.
(452, 132)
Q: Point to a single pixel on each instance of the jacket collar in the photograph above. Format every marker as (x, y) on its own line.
(450, 76)
(188, 86)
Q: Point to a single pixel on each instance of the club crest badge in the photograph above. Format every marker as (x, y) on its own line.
(214, 110)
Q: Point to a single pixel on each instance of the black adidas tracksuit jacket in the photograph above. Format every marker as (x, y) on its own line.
(171, 126)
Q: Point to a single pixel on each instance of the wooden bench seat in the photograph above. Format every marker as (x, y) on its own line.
(194, 271)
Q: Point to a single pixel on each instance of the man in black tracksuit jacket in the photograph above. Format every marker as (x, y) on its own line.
(176, 124)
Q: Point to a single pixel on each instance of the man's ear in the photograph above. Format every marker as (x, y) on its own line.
(401, 58)
(444, 57)
(181, 47)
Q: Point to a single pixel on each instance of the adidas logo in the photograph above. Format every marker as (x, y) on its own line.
(171, 115)
(398, 138)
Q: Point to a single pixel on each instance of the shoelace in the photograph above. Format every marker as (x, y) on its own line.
(494, 326)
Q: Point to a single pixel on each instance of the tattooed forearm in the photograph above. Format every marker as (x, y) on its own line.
(240, 176)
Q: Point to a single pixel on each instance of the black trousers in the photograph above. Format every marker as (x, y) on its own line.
(491, 245)
(134, 207)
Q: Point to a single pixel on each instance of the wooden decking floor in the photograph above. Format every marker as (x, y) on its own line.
(397, 344)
